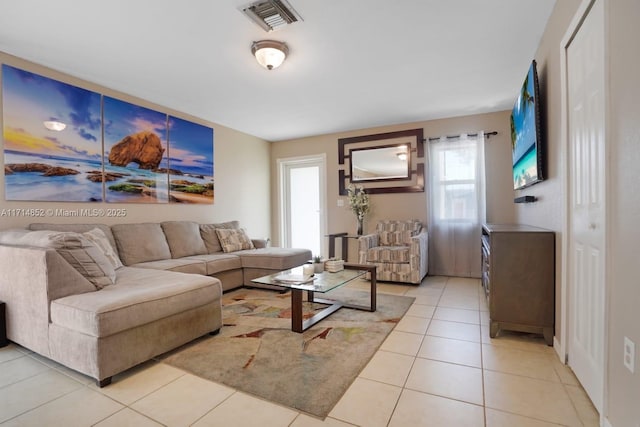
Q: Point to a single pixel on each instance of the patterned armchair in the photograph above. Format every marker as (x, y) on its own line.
(399, 249)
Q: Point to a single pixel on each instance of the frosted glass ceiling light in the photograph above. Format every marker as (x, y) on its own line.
(269, 53)
(54, 125)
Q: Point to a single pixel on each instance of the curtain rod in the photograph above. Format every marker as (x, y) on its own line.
(487, 134)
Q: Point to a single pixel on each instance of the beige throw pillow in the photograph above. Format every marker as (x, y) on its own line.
(100, 240)
(85, 257)
(233, 240)
(210, 237)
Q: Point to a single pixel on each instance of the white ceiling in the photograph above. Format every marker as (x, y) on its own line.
(352, 64)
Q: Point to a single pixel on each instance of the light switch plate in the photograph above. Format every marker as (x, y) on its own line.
(629, 354)
(340, 203)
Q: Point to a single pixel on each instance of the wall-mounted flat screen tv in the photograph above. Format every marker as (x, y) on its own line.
(526, 144)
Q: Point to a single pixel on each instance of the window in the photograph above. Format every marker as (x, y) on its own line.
(456, 205)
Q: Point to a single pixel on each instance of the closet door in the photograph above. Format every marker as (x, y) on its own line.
(586, 244)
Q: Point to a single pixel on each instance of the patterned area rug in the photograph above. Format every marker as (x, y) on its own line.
(256, 351)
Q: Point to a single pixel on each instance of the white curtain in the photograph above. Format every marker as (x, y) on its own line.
(456, 204)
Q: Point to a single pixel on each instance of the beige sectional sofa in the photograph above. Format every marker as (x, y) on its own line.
(154, 287)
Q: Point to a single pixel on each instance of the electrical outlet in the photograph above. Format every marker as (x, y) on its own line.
(629, 354)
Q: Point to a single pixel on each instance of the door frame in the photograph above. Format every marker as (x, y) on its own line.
(282, 165)
(562, 346)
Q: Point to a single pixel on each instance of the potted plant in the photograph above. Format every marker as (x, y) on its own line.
(318, 264)
(359, 204)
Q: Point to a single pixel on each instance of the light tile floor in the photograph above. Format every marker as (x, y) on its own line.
(439, 367)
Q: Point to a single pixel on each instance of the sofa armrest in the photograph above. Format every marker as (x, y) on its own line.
(365, 243)
(419, 253)
(31, 278)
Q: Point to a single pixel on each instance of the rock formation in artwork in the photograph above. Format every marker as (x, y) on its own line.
(143, 148)
(96, 176)
(47, 170)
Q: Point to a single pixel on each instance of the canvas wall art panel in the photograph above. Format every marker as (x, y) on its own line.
(52, 139)
(135, 153)
(190, 162)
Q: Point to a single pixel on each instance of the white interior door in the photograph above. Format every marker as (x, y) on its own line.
(302, 219)
(586, 271)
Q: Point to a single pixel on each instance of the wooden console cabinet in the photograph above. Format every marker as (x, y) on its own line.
(518, 277)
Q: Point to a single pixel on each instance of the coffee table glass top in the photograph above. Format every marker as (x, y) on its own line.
(322, 282)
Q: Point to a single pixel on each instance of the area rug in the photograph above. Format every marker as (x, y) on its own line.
(256, 351)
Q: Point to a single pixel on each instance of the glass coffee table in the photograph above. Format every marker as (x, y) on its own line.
(321, 283)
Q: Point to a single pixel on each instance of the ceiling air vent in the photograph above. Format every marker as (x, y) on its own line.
(271, 14)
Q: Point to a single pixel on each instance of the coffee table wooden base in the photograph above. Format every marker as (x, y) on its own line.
(298, 324)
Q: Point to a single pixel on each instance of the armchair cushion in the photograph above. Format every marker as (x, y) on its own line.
(397, 233)
(395, 254)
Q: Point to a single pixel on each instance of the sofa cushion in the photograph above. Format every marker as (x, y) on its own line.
(219, 262)
(393, 254)
(183, 238)
(233, 240)
(77, 228)
(274, 258)
(140, 242)
(85, 257)
(140, 296)
(181, 265)
(210, 237)
(100, 240)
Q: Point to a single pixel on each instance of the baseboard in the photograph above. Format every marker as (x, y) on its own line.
(558, 348)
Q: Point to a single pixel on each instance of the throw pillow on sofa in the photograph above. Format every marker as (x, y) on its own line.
(210, 237)
(100, 240)
(234, 240)
(85, 257)
(79, 252)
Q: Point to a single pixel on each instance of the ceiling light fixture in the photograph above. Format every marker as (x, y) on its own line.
(54, 125)
(402, 156)
(269, 53)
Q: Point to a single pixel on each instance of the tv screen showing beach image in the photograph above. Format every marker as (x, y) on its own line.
(52, 139)
(524, 134)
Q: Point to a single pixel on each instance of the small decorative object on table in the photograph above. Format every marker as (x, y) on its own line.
(308, 269)
(318, 264)
(333, 265)
(359, 204)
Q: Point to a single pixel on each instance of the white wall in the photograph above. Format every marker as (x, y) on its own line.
(242, 173)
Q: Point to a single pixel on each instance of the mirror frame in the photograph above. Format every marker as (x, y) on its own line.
(415, 144)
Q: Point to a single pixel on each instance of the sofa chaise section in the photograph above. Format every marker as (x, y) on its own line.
(56, 312)
(147, 312)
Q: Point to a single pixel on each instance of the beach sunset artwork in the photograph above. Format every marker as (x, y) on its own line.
(135, 153)
(52, 139)
(190, 162)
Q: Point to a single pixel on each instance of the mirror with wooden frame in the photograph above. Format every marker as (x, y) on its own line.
(383, 163)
